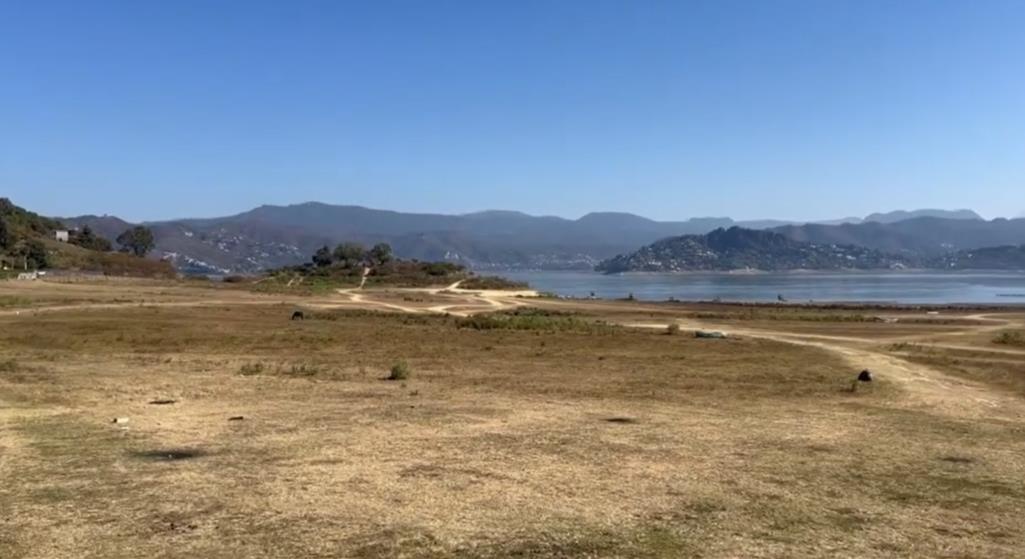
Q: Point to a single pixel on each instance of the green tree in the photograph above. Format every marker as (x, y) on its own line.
(5, 235)
(380, 254)
(350, 254)
(322, 258)
(89, 240)
(33, 254)
(138, 241)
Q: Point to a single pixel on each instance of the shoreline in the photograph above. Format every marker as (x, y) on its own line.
(818, 305)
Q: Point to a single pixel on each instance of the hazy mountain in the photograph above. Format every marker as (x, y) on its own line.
(990, 258)
(746, 249)
(273, 236)
(929, 236)
(106, 226)
(901, 215)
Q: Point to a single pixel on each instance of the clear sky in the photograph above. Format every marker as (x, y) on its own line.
(762, 108)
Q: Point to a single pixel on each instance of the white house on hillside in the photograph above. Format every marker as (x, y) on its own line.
(61, 235)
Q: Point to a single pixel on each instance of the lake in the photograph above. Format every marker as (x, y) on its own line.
(1005, 288)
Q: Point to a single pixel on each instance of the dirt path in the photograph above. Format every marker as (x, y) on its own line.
(467, 301)
(929, 387)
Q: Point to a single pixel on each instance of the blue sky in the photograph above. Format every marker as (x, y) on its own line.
(785, 109)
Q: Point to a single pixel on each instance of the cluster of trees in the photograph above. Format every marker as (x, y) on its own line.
(89, 240)
(346, 263)
(15, 249)
(30, 254)
(138, 241)
(20, 251)
(5, 234)
(353, 255)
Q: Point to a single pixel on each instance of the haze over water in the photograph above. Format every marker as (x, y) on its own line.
(1004, 288)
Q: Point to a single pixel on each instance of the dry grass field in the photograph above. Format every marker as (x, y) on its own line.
(551, 429)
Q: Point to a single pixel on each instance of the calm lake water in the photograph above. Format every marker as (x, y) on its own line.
(894, 287)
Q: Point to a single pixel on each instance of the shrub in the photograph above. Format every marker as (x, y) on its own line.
(1010, 337)
(250, 369)
(399, 371)
(493, 282)
(12, 301)
(302, 370)
(8, 366)
(673, 329)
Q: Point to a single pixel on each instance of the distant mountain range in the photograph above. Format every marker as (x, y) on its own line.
(273, 236)
(929, 236)
(901, 215)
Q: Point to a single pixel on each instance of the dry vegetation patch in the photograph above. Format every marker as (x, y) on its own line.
(525, 433)
(1003, 371)
(1011, 337)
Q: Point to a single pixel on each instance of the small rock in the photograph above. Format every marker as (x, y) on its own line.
(236, 418)
(163, 402)
(709, 334)
(865, 376)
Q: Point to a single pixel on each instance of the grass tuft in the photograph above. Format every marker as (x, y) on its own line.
(251, 369)
(301, 370)
(399, 371)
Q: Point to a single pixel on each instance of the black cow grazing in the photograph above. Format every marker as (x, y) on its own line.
(865, 376)
(298, 315)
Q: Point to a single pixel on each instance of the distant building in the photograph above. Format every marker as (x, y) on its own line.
(62, 235)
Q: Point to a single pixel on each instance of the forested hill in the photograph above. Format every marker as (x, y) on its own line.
(737, 248)
(990, 258)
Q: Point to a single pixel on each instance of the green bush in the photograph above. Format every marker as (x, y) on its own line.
(399, 371)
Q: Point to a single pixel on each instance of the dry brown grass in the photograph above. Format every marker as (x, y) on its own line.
(601, 442)
(1005, 371)
(1014, 338)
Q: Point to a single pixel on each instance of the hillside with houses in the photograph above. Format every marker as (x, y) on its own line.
(31, 243)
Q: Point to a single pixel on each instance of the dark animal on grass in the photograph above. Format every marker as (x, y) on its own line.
(865, 376)
(298, 315)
